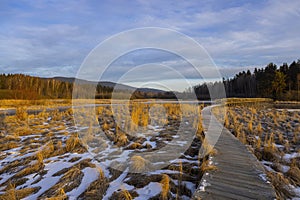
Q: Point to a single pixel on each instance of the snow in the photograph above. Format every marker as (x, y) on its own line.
(264, 177)
(152, 143)
(190, 186)
(285, 168)
(49, 180)
(110, 155)
(288, 156)
(90, 175)
(203, 185)
(115, 185)
(297, 192)
(150, 190)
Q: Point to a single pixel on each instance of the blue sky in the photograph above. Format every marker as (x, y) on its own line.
(52, 38)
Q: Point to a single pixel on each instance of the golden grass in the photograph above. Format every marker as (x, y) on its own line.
(59, 147)
(281, 185)
(250, 125)
(243, 100)
(96, 189)
(125, 195)
(61, 195)
(294, 175)
(207, 166)
(258, 143)
(39, 157)
(242, 137)
(135, 145)
(105, 126)
(37, 166)
(70, 180)
(226, 121)
(21, 113)
(165, 186)
(22, 131)
(138, 164)
(101, 173)
(47, 149)
(259, 129)
(8, 145)
(72, 142)
(14, 194)
(121, 139)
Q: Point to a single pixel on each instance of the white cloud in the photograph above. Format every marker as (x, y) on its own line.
(39, 36)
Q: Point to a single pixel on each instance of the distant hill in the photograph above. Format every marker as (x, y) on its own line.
(20, 86)
(108, 84)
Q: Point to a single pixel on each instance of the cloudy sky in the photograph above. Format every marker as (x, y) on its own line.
(52, 38)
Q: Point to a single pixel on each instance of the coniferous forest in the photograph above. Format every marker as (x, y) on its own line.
(279, 83)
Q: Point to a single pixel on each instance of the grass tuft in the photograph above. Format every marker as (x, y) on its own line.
(138, 164)
(165, 186)
(72, 142)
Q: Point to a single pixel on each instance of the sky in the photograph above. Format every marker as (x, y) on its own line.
(52, 38)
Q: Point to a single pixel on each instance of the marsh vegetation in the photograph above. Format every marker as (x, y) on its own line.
(58, 156)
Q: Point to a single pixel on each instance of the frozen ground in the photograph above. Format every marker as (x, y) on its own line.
(44, 156)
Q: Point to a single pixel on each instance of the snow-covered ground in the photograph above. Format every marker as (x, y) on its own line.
(44, 153)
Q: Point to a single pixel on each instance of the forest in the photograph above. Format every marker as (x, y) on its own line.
(20, 86)
(279, 83)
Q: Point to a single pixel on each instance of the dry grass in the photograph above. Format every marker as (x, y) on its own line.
(72, 142)
(259, 129)
(37, 104)
(61, 195)
(51, 139)
(25, 130)
(207, 165)
(105, 126)
(135, 145)
(34, 168)
(9, 145)
(125, 195)
(47, 150)
(39, 157)
(294, 175)
(21, 113)
(121, 139)
(14, 194)
(165, 186)
(70, 180)
(139, 164)
(281, 185)
(96, 189)
(250, 126)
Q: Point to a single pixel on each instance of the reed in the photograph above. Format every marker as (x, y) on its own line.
(165, 186)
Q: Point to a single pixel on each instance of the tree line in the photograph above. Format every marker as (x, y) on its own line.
(270, 82)
(20, 86)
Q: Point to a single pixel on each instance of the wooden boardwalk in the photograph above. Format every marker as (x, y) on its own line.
(239, 174)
